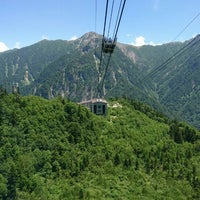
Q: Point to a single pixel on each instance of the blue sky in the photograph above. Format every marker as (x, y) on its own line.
(25, 22)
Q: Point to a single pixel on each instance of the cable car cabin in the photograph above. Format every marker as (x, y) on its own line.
(97, 106)
(108, 45)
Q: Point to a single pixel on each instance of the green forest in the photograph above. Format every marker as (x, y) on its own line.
(56, 150)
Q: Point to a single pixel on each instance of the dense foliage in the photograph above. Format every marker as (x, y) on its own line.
(55, 149)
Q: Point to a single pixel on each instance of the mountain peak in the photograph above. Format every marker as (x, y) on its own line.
(89, 40)
(90, 35)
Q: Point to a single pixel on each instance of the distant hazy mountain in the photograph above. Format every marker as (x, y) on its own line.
(70, 68)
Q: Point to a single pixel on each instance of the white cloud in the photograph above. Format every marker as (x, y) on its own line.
(73, 37)
(153, 44)
(139, 41)
(3, 47)
(18, 45)
(45, 38)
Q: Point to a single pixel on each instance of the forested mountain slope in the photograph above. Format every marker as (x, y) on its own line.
(56, 149)
(75, 76)
(70, 69)
(24, 65)
(178, 84)
(172, 73)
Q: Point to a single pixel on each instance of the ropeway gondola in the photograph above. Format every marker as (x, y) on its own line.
(108, 45)
(98, 106)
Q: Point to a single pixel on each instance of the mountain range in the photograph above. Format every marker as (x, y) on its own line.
(164, 76)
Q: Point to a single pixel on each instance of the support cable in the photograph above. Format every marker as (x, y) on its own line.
(196, 16)
(189, 45)
(115, 36)
(188, 76)
(118, 13)
(105, 19)
(110, 19)
(101, 55)
(119, 16)
(106, 69)
(101, 83)
(174, 56)
(179, 51)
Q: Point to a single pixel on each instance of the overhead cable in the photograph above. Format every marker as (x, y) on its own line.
(118, 20)
(175, 55)
(196, 16)
(115, 36)
(110, 19)
(179, 52)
